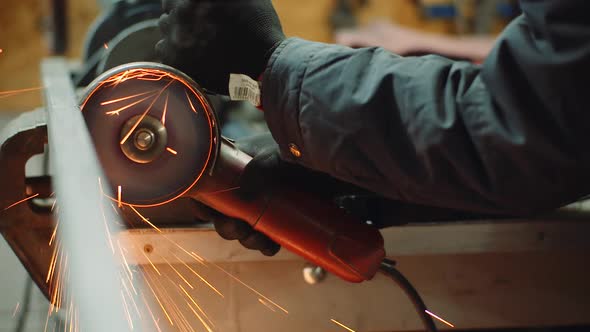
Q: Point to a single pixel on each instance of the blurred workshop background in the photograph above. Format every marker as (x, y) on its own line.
(462, 29)
(29, 30)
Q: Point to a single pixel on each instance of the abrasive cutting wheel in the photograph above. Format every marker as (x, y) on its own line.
(154, 131)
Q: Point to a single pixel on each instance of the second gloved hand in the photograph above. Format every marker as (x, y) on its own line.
(210, 39)
(262, 175)
(264, 150)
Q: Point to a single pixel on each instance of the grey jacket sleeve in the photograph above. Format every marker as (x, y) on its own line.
(510, 136)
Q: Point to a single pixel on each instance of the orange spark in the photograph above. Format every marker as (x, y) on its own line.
(54, 233)
(65, 279)
(104, 218)
(189, 101)
(106, 228)
(183, 323)
(118, 79)
(199, 258)
(145, 113)
(1, 51)
(125, 263)
(119, 110)
(440, 319)
(52, 264)
(199, 317)
(342, 325)
(266, 305)
(147, 221)
(198, 307)
(127, 313)
(56, 299)
(20, 202)
(151, 313)
(106, 46)
(12, 92)
(119, 194)
(2, 96)
(221, 191)
(70, 314)
(114, 101)
(174, 152)
(151, 263)
(16, 309)
(129, 293)
(178, 273)
(250, 288)
(159, 302)
(114, 209)
(199, 276)
(191, 254)
(76, 320)
(153, 77)
(165, 109)
(100, 186)
(49, 311)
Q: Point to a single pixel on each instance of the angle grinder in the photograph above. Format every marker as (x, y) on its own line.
(157, 138)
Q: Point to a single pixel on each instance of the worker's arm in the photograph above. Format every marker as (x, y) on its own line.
(506, 138)
(509, 137)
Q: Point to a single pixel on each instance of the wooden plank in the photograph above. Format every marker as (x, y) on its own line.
(487, 237)
(471, 291)
(434, 239)
(476, 275)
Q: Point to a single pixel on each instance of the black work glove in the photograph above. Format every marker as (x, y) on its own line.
(210, 39)
(262, 174)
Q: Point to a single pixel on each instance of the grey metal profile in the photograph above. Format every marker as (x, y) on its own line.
(94, 273)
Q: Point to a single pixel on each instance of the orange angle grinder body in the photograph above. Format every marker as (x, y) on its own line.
(157, 137)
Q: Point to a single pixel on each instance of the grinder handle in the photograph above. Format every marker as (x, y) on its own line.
(308, 226)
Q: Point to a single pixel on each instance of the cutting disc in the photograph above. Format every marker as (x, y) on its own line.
(154, 132)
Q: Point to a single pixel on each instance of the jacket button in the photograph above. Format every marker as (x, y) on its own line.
(294, 149)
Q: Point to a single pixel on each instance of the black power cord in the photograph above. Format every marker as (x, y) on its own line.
(388, 269)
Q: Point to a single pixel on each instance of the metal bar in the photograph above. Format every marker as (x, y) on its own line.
(94, 279)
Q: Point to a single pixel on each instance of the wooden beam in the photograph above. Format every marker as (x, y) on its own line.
(471, 291)
(429, 239)
(475, 275)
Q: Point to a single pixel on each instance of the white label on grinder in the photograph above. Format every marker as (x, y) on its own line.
(242, 87)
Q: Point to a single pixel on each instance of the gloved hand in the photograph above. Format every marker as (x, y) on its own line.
(210, 39)
(264, 172)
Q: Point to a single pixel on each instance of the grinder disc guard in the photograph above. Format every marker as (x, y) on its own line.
(154, 132)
